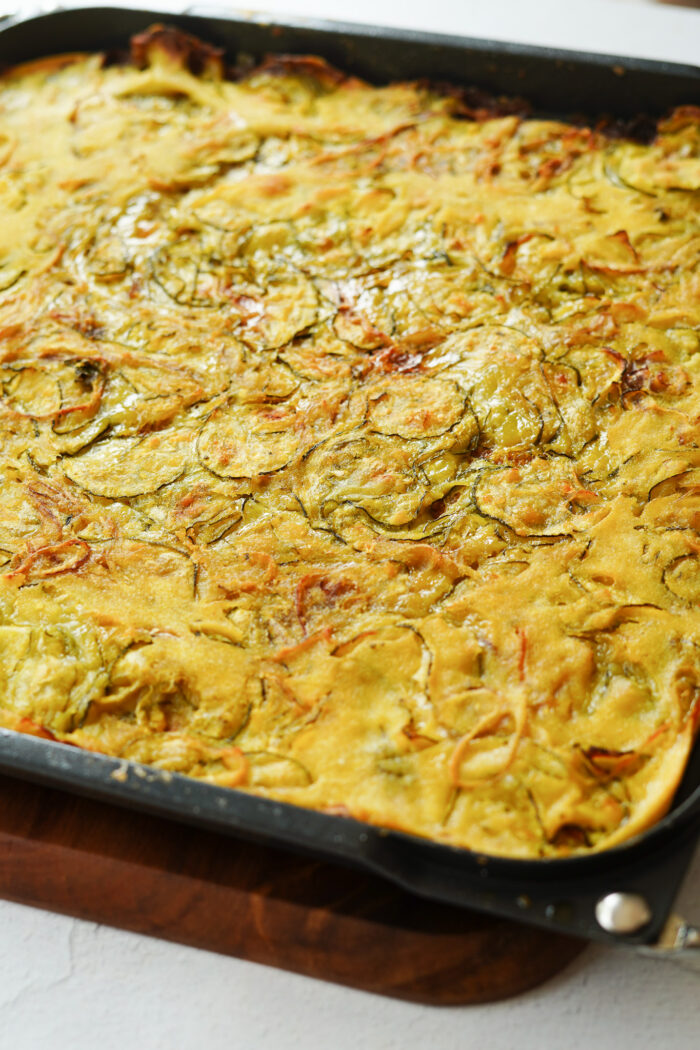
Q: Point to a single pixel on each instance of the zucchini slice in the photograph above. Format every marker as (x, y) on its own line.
(272, 304)
(372, 472)
(414, 406)
(499, 369)
(682, 577)
(246, 440)
(54, 387)
(122, 467)
(534, 499)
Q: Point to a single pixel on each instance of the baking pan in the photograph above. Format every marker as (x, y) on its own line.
(622, 895)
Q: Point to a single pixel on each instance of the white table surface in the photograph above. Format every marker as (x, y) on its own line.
(71, 985)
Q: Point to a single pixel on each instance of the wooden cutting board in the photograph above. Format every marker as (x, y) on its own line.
(143, 873)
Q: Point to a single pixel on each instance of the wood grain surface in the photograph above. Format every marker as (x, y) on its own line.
(142, 873)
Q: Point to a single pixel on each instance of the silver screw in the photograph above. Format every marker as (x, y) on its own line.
(622, 913)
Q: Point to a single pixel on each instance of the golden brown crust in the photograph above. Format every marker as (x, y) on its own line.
(348, 447)
(304, 67)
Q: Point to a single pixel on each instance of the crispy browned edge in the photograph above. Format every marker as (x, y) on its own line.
(466, 103)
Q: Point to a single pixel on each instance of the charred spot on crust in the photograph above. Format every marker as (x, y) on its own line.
(87, 372)
(571, 836)
(472, 103)
(190, 52)
(115, 56)
(641, 128)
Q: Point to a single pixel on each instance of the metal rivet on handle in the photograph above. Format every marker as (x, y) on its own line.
(622, 913)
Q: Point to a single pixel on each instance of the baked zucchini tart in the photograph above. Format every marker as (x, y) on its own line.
(349, 442)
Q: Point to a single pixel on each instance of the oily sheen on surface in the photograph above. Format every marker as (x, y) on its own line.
(349, 443)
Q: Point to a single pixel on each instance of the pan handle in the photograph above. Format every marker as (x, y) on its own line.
(679, 942)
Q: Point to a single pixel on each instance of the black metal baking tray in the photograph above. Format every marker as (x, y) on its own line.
(560, 894)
